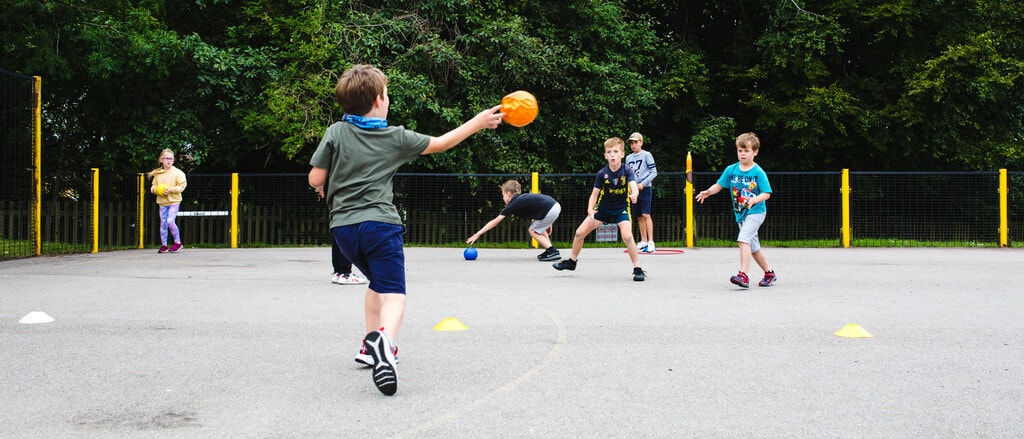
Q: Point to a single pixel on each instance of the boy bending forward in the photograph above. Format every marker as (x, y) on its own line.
(540, 208)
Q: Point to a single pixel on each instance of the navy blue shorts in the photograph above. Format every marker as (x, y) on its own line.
(377, 249)
(611, 218)
(643, 201)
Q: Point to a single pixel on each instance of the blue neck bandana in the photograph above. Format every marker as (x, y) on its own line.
(368, 123)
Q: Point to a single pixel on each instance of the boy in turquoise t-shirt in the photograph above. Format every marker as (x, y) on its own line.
(749, 188)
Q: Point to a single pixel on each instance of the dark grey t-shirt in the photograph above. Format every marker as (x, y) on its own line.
(361, 164)
(529, 206)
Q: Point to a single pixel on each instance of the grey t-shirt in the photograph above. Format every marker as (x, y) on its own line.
(642, 164)
(361, 164)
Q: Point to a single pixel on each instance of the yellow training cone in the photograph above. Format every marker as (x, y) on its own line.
(853, 330)
(450, 324)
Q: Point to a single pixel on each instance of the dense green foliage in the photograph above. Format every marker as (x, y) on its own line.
(247, 85)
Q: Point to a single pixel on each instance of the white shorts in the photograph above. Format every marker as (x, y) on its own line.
(748, 231)
(541, 225)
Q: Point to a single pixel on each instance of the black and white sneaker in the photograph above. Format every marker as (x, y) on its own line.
(551, 254)
(379, 346)
(363, 358)
(638, 274)
(366, 360)
(565, 264)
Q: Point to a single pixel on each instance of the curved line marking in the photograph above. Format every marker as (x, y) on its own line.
(560, 341)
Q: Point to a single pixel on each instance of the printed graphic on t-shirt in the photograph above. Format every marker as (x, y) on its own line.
(614, 189)
(615, 186)
(635, 166)
(743, 189)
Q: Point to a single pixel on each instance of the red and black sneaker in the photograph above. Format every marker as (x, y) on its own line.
(741, 279)
(769, 278)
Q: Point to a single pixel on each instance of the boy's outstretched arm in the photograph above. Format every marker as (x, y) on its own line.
(490, 225)
(704, 194)
(592, 202)
(489, 118)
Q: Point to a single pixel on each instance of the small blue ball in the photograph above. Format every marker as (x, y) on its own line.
(469, 254)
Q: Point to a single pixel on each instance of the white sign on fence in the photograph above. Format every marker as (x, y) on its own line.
(607, 233)
(204, 213)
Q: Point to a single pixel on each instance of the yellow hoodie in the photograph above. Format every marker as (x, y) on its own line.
(174, 178)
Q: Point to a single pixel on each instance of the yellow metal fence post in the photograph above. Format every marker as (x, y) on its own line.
(1004, 215)
(95, 210)
(689, 201)
(37, 165)
(141, 214)
(234, 210)
(534, 189)
(847, 232)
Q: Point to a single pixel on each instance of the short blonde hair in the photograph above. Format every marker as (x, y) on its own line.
(512, 187)
(359, 87)
(614, 141)
(748, 140)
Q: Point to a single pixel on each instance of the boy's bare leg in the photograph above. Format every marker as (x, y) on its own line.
(626, 230)
(384, 310)
(744, 256)
(392, 311)
(646, 228)
(761, 260)
(371, 307)
(588, 225)
(542, 238)
(642, 227)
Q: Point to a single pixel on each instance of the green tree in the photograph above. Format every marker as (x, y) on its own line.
(447, 60)
(119, 85)
(890, 85)
(969, 96)
(882, 84)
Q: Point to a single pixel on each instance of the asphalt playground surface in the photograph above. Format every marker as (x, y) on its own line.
(257, 343)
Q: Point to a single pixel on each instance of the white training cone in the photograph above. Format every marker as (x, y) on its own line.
(35, 317)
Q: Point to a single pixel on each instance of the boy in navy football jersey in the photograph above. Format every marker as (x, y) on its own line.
(614, 190)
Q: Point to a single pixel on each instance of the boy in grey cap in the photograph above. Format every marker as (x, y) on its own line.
(642, 164)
